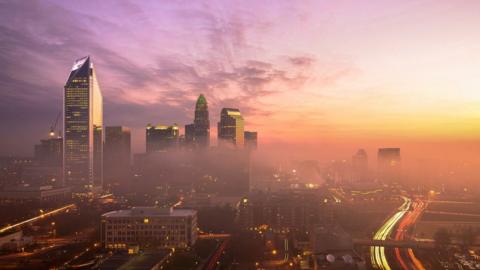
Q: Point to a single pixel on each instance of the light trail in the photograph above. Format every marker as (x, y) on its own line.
(50, 213)
(378, 257)
(415, 261)
(106, 196)
(408, 221)
(400, 236)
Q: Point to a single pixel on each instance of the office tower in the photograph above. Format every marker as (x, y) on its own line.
(250, 140)
(389, 164)
(360, 166)
(189, 134)
(49, 152)
(117, 154)
(47, 167)
(230, 128)
(161, 138)
(201, 123)
(83, 129)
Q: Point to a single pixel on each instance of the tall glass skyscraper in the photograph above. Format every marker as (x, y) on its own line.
(83, 129)
(201, 123)
(230, 128)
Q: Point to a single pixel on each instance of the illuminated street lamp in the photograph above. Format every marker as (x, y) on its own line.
(54, 230)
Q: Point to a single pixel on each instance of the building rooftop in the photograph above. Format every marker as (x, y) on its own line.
(33, 188)
(163, 127)
(80, 68)
(201, 101)
(339, 259)
(231, 112)
(150, 211)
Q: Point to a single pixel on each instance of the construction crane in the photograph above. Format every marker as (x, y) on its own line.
(52, 128)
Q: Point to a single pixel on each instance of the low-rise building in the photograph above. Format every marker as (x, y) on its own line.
(34, 193)
(149, 226)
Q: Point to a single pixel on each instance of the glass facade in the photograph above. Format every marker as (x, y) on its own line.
(83, 128)
(230, 128)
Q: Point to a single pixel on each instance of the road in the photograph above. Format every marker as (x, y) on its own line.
(41, 216)
(377, 253)
(402, 220)
(212, 262)
(406, 257)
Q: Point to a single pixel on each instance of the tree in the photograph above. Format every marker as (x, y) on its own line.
(442, 238)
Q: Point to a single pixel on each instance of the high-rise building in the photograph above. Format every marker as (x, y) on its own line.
(47, 167)
(189, 134)
(360, 166)
(83, 129)
(49, 152)
(117, 154)
(230, 128)
(389, 165)
(201, 123)
(161, 138)
(250, 140)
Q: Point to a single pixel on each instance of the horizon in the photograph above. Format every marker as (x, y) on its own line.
(240, 135)
(330, 86)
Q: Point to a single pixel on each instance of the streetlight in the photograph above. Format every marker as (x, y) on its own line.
(54, 231)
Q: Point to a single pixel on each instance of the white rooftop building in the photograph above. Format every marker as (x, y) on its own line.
(149, 226)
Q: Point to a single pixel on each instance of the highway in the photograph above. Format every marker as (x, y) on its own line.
(377, 253)
(402, 220)
(33, 219)
(406, 257)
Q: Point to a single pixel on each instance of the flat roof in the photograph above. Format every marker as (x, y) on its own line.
(151, 212)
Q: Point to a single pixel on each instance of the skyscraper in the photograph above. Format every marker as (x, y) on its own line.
(189, 134)
(389, 164)
(251, 142)
(360, 166)
(161, 138)
(49, 152)
(230, 128)
(117, 154)
(83, 129)
(46, 168)
(201, 123)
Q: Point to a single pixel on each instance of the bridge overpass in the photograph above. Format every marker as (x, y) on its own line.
(428, 244)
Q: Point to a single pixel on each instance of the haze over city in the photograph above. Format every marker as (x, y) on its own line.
(345, 80)
(240, 134)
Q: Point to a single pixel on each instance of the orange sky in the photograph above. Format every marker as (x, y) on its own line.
(323, 74)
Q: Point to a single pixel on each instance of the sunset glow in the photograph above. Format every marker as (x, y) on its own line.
(397, 72)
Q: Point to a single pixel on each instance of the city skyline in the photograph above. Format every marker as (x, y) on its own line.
(211, 135)
(336, 94)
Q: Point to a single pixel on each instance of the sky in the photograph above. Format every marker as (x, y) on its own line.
(321, 77)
